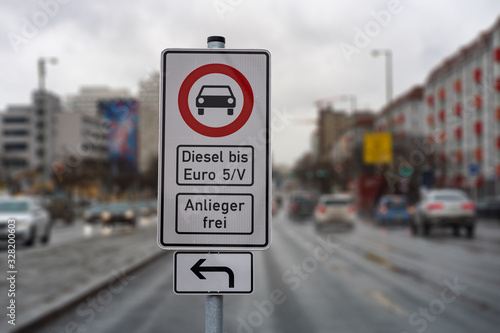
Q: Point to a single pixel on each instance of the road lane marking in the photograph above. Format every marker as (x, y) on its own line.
(382, 299)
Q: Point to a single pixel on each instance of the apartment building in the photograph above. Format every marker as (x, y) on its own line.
(462, 107)
(404, 117)
(149, 99)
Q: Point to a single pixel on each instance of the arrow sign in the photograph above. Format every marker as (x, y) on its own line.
(234, 273)
(197, 269)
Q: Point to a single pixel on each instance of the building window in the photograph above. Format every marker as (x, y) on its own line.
(15, 146)
(15, 120)
(18, 132)
(15, 163)
(478, 75)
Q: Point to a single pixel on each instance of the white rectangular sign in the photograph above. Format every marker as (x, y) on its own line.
(213, 273)
(215, 158)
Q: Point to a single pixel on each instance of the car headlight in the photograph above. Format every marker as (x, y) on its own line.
(201, 100)
(230, 100)
(129, 214)
(105, 216)
(22, 225)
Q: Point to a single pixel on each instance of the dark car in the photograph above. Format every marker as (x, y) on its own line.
(393, 209)
(489, 208)
(119, 213)
(60, 206)
(215, 97)
(301, 206)
(93, 213)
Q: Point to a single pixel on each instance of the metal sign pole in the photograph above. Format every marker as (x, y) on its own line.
(213, 313)
(214, 303)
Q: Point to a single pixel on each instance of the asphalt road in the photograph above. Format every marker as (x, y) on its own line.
(363, 280)
(62, 233)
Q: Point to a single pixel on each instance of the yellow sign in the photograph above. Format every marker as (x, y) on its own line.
(377, 148)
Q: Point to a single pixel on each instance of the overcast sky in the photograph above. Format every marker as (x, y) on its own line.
(315, 54)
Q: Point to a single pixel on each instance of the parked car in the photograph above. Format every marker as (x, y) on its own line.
(93, 213)
(334, 209)
(489, 208)
(444, 209)
(118, 213)
(32, 220)
(393, 209)
(301, 205)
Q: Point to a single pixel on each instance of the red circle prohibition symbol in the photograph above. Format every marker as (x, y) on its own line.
(230, 128)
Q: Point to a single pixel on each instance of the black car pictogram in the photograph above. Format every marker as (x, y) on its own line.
(215, 97)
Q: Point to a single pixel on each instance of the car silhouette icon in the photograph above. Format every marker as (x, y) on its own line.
(215, 97)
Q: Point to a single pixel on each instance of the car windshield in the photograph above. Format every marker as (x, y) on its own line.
(396, 202)
(215, 91)
(448, 197)
(337, 202)
(14, 206)
(120, 206)
(301, 200)
(96, 207)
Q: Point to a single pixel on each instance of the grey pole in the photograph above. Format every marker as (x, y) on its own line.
(388, 68)
(47, 120)
(214, 303)
(216, 42)
(214, 314)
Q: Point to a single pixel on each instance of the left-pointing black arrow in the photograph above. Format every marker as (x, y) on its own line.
(197, 269)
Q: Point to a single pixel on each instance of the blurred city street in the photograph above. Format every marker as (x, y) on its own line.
(361, 280)
(232, 166)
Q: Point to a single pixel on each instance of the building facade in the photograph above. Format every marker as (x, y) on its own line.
(86, 100)
(330, 127)
(462, 106)
(18, 149)
(404, 117)
(149, 100)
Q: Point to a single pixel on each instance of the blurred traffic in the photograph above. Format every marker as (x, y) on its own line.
(384, 165)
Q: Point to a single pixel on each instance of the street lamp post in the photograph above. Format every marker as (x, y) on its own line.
(353, 102)
(388, 70)
(46, 113)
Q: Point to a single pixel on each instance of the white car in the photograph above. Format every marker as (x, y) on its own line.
(444, 209)
(32, 221)
(334, 209)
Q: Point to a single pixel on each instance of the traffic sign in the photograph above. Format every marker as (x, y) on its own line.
(214, 163)
(213, 273)
(377, 148)
(473, 169)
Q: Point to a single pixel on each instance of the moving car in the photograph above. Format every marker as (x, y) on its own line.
(61, 209)
(215, 97)
(301, 205)
(393, 209)
(60, 206)
(32, 220)
(489, 208)
(119, 213)
(334, 209)
(93, 213)
(444, 209)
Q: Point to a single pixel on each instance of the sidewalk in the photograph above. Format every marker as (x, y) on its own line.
(51, 278)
